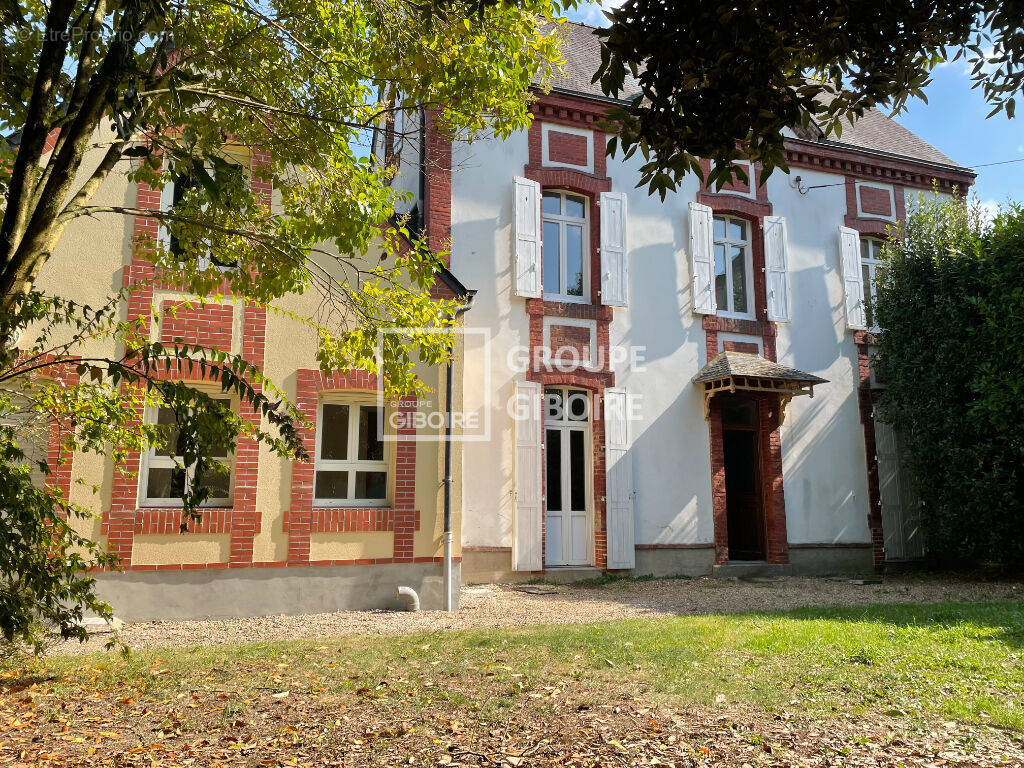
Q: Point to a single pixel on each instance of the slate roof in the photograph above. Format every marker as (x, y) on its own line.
(742, 364)
(874, 132)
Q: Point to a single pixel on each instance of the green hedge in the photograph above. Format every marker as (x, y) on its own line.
(952, 361)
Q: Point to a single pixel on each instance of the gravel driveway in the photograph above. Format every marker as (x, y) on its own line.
(509, 605)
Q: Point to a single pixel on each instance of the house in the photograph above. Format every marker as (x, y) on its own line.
(641, 386)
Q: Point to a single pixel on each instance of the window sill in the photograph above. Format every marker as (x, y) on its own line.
(327, 504)
(176, 504)
(553, 297)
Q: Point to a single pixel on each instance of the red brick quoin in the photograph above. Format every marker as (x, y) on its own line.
(303, 518)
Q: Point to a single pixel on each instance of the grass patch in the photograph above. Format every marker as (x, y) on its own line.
(948, 661)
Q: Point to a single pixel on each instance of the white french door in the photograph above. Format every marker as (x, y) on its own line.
(566, 479)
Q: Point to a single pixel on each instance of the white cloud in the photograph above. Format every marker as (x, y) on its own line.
(989, 209)
(591, 12)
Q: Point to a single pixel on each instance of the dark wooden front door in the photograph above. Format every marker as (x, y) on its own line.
(743, 501)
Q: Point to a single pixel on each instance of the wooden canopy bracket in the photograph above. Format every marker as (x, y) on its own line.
(786, 390)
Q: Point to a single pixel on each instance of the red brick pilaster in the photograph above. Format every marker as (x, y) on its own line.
(437, 207)
(719, 512)
(777, 542)
(866, 405)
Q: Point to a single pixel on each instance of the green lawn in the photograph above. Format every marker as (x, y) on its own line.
(946, 661)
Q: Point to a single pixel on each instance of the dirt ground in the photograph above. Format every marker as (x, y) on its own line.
(508, 605)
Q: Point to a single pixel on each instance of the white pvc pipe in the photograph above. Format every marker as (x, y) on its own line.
(409, 597)
(448, 542)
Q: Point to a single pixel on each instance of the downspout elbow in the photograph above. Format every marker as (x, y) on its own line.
(408, 596)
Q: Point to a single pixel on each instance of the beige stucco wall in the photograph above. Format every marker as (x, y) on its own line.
(87, 266)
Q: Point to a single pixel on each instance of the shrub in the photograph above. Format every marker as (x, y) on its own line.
(952, 361)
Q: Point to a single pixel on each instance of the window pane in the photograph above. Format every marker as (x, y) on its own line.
(719, 228)
(739, 279)
(331, 485)
(551, 203)
(553, 473)
(575, 206)
(371, 485)
(220, 451)
(219, 484)
(578, 405)
(165, 417)
(553, 405)
(574, 260)
(165, 483)
(865, 248)
(552, 282)
(334, 432)
(371, 447)
(869, 294)
(721, 289)
(737, 229)
(577, 470)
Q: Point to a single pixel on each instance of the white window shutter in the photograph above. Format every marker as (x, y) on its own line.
(526, 520)
(853, 284)
(702, 259)
(619, 464)
(776, 262)
(527, 237)
(614, 270)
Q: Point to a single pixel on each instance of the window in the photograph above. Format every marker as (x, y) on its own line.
(174, 196)
(351, 467)
(734, 282)
(165, 479)
(566, 406)
(872, 270)
(566, 253)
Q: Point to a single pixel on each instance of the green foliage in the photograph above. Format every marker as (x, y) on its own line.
(725, 81)
(952, 361)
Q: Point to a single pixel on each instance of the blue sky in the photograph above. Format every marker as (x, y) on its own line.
(953, 121)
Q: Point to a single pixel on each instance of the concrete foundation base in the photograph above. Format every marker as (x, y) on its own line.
(751, 569)
(689, 561)
(830, 560)
(171, 595)
(494, 566)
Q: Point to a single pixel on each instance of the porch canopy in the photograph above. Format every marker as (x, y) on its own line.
(742, 372)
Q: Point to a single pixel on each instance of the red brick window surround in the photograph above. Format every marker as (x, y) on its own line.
(213, 325)
(872, 209)
(396, 513)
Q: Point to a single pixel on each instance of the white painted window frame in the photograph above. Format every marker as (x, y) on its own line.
(150, 460)
(870, 289)
(749, 254)
(547, 128)
(351, 465)
(563, 222)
